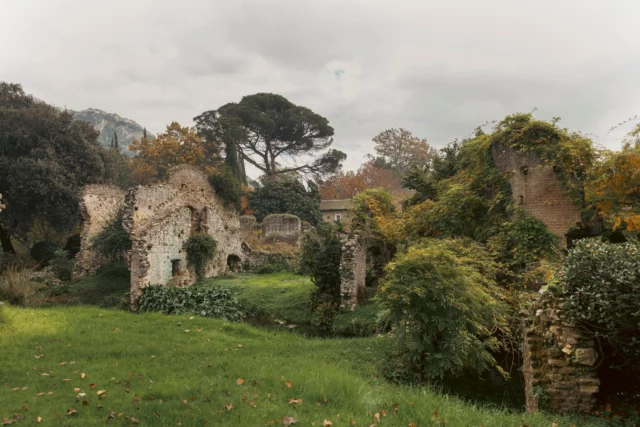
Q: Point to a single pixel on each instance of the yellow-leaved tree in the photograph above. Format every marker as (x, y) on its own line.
(176, 146)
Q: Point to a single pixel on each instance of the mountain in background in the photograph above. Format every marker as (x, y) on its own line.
(107, 123)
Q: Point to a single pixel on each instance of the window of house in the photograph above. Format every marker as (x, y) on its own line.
(338, 216)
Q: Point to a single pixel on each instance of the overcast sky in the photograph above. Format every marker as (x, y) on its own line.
(437, 68)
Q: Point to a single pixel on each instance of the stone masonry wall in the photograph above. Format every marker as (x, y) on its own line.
(559, 365)
(536, 188)
(276, 228)
(99, 204)
(353, 270)
(160, 218)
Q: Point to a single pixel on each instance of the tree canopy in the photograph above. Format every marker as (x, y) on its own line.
(176, 146)
(400, 151)
(45, 158)
(274, 135)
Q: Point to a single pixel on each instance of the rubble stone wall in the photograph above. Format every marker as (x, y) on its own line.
(275, 229)
(99, 205)
(160, 219)
(559, 365)
(536, 188)
(353, 270)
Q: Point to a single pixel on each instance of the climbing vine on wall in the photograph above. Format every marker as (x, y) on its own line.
(201, 248)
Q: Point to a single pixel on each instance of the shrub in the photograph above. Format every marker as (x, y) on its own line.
(43, 252)
(228, 187)
(16, 286)
(208, 302)
(600, 293)
(320, 258)
(113, 241)
(274, 263)
(62, 266)
(114, 270)
(324, 313)
(201, 248)
(442, 303)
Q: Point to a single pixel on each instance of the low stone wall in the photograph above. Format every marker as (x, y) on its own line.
(276, 229)
(559, 365)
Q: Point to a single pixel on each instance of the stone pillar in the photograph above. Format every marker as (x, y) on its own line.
(353, 271)
(559, 365)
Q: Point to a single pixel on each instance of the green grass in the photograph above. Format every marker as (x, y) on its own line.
(154, 371)
(285, 296)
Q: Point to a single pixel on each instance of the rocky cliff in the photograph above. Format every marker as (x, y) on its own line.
(107, 123)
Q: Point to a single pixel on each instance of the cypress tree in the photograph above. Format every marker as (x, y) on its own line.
(115, 140)
(144, 133)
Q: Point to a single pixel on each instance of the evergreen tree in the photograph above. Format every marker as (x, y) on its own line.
(115, 141)
(144, 133)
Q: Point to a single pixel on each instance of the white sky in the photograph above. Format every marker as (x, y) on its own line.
(438, 68)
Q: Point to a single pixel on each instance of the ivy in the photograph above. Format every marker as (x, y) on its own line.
(201, 248)
(113, 241)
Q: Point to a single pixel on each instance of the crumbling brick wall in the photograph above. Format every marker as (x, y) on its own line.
(559, 365)
(99, 205)
(536, 188)
(282, 229)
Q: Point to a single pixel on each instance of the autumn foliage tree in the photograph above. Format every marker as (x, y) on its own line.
(346, 185)
(176, 146)
(613, 187)
(400, 151)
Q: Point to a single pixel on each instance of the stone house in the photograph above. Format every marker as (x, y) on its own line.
(336, 210)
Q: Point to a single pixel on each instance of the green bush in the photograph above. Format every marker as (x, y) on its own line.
(43, 252)
(443, 305)
(208, 302)
(275, 263)
(320, 258)
(201, 248)
(114, 270)
(601, 293)
(62, 266)
(113, 241)
(228, 187)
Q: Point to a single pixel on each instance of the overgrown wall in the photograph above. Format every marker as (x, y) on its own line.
(353, 270)
(99, 205)
(536, 188)
(283, 229)
(559, 365)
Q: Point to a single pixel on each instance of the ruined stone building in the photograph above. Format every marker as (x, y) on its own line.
(160, 218)
(536, 188)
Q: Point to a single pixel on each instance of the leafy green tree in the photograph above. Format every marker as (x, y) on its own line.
(286, 194)
(269, 130)
(45, 158)
(444, 307)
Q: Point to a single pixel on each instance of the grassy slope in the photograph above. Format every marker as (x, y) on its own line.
(159, 374)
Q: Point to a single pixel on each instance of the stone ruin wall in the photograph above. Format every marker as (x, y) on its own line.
(276, 228)
(536, 188)
(353, 270)
(559, 365)
(99, 205)
(160, 218)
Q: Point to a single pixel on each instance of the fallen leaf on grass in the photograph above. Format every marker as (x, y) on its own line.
(83, 375)
(292, 401)
(76, 390)
(39, 419)
(63, 363)
(229, 406)
(288, 383)
(72, 412)
(376, 416)
(239, 381)
(413, 425)
(287, 421)
(327, 423)
(353, 423)
(40, 356)
(101, 392)
(40, 394)
(92, 386)
(15, 389)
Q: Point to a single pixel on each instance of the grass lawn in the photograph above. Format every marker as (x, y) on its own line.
(285, 296)
(157, 370)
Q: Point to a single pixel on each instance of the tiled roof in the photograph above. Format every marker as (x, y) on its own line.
(335, 205)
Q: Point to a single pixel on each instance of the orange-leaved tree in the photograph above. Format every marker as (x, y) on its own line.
(176, 146)
(613, 188)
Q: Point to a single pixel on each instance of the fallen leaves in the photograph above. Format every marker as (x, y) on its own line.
(327, 423)
(239, 381)
(287, 421)
(295, 401)
(39, 419)
(288, 383)
(72, 411)
(101, 392)
(229, 406)
(83, 375)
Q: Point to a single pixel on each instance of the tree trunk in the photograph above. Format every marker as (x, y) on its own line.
(5, 239)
